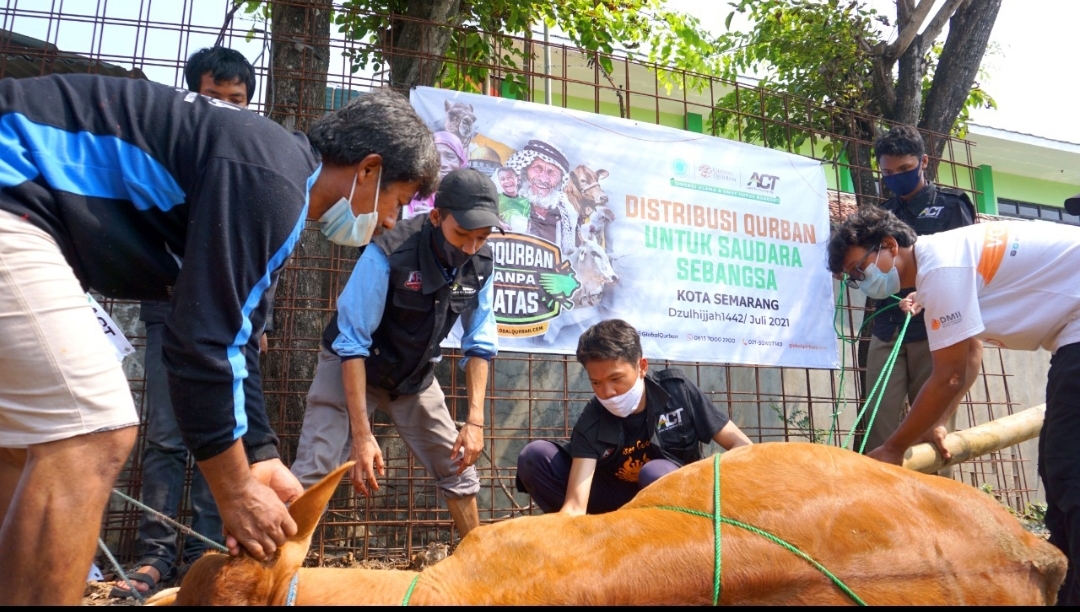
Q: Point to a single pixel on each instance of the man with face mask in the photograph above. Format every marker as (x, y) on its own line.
(928, 209)
(637, 428)
(147, 192)
(379, 350)
(1012, 285)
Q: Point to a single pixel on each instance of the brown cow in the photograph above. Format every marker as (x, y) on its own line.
(583, 190)
(893, 536)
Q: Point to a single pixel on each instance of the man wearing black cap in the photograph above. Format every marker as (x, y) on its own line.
(379, 350)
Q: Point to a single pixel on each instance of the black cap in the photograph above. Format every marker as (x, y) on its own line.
(471, 198)
(1072, 205)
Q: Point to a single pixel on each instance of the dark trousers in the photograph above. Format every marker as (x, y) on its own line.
(544, 471)
(164, 464)
(1059, 463)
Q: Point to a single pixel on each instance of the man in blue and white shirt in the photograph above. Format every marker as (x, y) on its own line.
(379, 351)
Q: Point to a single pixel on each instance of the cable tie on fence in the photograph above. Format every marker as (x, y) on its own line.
(182, 527)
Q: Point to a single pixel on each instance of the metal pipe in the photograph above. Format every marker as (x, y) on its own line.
(547, 66)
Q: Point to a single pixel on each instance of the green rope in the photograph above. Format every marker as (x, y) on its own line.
(718, 520)
(408, 594)
(834, 424)
(885, 375)
(716, 531)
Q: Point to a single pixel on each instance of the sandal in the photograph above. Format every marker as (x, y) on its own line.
(118, 592)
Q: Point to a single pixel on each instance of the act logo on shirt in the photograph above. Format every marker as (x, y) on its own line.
(415, 281)
(931, 212)
(946, 321)
(669, 420)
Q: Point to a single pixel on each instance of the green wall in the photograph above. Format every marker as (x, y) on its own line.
(1026, 189)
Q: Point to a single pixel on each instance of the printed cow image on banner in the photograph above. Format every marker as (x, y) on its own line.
(713, 249)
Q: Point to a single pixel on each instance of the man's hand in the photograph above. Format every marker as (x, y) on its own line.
(936, 436)
(275, 475)
(886, 454)
(253, 514)
(368, 457)
(255, 519)
(909, 304)
(468, 446)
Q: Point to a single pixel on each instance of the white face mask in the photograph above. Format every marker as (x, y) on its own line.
(879, 285)
(339, 224)
(623, 405)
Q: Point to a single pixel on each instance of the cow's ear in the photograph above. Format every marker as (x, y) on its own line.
(601, 174)
(447, 104)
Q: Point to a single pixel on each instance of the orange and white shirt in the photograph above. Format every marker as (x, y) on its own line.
(1012, 284)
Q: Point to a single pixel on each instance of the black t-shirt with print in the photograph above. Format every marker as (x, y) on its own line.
(681, 414)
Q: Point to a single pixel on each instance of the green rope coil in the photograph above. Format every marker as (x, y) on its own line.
(716, 530)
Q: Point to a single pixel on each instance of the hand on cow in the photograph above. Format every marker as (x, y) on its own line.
(468, 446)
(255, 519)
(909, 304)
(886, 454)
(368, 457)
(275, 475)
(936, 436)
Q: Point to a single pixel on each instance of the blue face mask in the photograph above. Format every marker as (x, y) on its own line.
(904, 183)
(340, 225)
(879, 285)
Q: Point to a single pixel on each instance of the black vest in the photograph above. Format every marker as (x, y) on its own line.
(421, 307)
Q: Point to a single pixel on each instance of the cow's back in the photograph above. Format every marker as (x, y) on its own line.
(894, 536)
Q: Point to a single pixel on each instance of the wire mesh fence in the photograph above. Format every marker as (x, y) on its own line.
(530, 396)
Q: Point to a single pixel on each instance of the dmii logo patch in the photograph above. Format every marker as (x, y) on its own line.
(946, 321)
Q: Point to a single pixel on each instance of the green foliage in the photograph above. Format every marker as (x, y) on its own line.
(817, 50)
(812, 50)
(798, 423)
(487, 25)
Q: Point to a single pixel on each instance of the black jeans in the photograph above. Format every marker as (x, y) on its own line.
(1059, 463)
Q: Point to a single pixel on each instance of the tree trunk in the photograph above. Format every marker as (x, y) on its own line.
(969, 33)
(295, 97)
(912, 66)
(416, 49)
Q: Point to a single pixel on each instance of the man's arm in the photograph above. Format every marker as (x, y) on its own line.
(948, 378)
(470, 440)
(479, 344)
(360, 309)
(730, 436)
(365, 449)
(578, 486)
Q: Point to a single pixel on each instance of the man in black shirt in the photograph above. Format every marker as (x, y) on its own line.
(928, 209)
(143, 191)
(636, 429)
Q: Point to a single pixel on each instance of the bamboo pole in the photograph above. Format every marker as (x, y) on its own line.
(977, 441)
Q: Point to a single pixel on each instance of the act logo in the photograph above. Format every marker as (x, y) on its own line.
(762, 182)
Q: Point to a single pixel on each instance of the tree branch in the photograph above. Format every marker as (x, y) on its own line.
(909, 29)
(932, 30)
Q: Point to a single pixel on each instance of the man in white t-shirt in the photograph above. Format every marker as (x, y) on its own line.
(1011, 284)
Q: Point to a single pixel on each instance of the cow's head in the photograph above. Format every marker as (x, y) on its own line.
(593, 267)
(584, 190)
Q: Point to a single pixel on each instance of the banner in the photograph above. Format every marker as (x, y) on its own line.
(714, 250)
